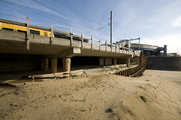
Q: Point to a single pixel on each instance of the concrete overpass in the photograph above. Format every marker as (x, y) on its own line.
(50, 47)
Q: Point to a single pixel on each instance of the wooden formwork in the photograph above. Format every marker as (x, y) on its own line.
(136, 71)
(59, 74)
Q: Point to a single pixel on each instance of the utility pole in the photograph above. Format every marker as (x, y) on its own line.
(111, 30)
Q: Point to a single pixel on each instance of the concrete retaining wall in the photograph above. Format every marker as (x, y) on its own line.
(123, 61)
(137, 60)
(164, 63)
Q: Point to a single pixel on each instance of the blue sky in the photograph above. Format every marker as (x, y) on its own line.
(156, 22)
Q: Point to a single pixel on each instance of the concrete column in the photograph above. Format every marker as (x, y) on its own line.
(45, 64)
(101, 61)
(105, 61)
(54, 65)
(128, 62)
(66, 66)
(115, 61)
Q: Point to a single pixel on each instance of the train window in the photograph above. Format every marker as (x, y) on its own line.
(34, 32)
(45, 33)
(7, 29)
(21, 31)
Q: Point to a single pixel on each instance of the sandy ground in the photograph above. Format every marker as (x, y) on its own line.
(98, 97)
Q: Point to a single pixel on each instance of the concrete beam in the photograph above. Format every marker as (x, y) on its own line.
(68, 53)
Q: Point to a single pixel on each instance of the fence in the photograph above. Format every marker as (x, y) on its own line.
(135, 71)
(72, 74)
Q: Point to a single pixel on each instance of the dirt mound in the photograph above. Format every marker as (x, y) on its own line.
(102, 97)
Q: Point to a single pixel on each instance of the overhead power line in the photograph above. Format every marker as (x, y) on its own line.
(48, 15)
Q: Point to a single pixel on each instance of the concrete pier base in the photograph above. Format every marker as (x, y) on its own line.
(54, 65)
(115, 61)
(107, 61)
(45, 64)
(66, 67)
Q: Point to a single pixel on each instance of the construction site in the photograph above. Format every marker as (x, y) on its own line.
(52, 74)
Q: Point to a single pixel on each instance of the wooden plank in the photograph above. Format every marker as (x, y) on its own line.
(47, 75)
(33, 78)
(74, 74)
(85, 73)
(77, 71)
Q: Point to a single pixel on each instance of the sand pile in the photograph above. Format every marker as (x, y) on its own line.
(102, 97)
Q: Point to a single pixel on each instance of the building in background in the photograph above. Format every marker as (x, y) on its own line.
(148, 50)
(173, 54)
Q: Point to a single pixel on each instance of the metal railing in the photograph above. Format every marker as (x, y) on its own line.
(113, 46)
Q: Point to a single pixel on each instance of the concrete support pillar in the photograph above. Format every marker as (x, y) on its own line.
(101, 61)
(66, 67)
(128, 62)
(45, 64)
(105, 61)
(115, 61)
(54, 65)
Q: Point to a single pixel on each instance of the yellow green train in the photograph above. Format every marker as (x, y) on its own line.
(18, 28)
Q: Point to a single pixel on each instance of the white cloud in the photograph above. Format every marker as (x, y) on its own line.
(172, 41)
(176, 22)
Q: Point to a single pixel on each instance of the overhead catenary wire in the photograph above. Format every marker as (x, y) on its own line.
(40, 22)
(83, 23)
(43, 14)
(51, 8)
(81, 15)
(29, 9)
(76, 11)
(37, 12)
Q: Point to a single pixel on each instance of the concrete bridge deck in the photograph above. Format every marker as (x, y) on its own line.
(15, 42)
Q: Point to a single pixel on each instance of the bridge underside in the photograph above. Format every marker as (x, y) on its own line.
(15, 43)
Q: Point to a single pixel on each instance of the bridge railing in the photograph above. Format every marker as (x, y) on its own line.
(114, 47)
